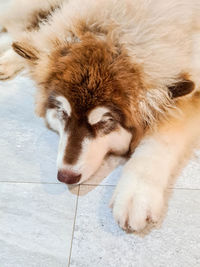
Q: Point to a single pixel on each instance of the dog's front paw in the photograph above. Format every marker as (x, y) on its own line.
(136, 202)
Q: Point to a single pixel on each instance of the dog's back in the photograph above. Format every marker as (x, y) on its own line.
(161, 39)
(21, 15)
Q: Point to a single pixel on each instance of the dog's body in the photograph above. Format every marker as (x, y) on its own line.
(109, 74)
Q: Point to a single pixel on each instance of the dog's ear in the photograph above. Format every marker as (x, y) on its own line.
(181, 88)
(26, 51)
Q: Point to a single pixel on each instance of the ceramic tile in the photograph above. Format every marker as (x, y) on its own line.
(190, 175)
(28, 149)
(98, 241)
(36, 224)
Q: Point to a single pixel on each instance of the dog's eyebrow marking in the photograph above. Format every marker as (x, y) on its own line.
(97, 114)
(65, 104)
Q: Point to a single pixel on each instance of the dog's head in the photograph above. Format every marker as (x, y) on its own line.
(92, 96)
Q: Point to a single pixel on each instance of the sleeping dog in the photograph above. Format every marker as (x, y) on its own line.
(113, 76)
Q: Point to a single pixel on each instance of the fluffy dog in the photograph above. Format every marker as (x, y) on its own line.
(111, 75)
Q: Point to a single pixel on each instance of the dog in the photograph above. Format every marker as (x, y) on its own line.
(113, 76)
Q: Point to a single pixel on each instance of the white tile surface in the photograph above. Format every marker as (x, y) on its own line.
(98, 241)
(26, 146)
(190, 175)
(36, 223)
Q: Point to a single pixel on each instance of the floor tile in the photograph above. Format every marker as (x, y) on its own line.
(189, 177)
(28, 149)
(99, 242)
(36, 224)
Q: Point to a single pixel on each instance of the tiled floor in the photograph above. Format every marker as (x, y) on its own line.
(44, 223)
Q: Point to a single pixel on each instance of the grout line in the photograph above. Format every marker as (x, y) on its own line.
(112, 185)
(88, 184)
(70, 252)
(98, 184)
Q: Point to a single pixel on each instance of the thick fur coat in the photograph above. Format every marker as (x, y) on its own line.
(113, 76)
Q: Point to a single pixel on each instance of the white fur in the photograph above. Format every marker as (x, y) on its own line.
(96, 115)
(56, 124)
(61, 151)
(139, 194)
(65, 104)
(87, 163)
(161, 38)
(53, 121)
(117, 141)
(151, 32)
(5, 42)
(15, 14)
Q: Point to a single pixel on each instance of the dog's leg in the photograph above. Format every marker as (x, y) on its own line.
(10, 64)
(139, 196)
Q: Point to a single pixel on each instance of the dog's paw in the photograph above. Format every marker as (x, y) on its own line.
(9, 66)
(136, 203)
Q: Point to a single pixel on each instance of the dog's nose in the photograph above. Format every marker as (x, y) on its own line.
(68, 177)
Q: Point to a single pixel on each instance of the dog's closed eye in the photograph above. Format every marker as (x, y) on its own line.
(106, 125)
(62, 114)
(61, 104)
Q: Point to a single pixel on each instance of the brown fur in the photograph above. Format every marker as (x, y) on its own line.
(78, 129)
(90, 74)
(93, 72)
(128, 57)
(39, 16)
